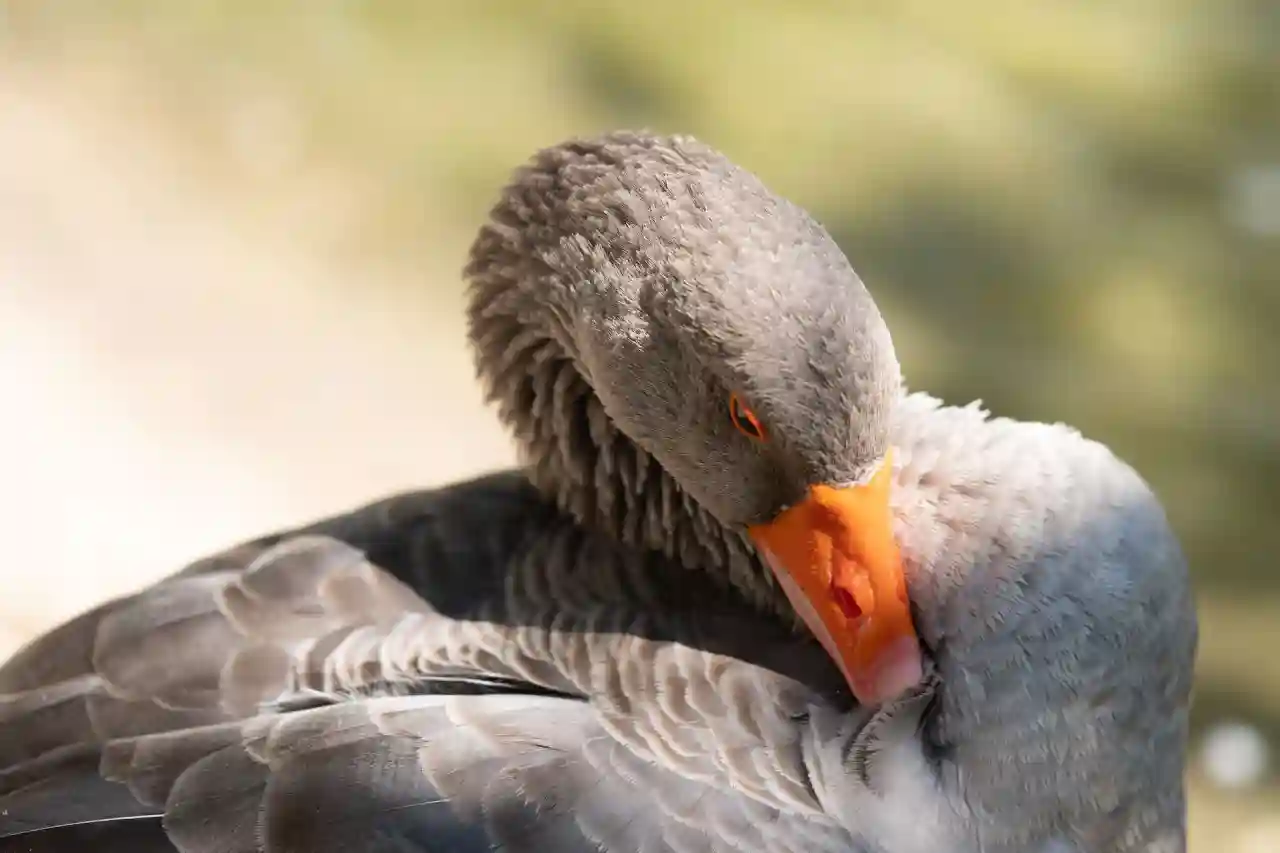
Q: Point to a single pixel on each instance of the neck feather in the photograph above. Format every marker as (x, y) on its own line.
(569, 446)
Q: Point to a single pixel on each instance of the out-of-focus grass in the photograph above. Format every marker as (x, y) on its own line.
(1069, 210)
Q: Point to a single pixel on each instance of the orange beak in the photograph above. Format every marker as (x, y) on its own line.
(835, 556)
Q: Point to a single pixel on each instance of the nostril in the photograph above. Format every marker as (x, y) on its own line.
(846, 602)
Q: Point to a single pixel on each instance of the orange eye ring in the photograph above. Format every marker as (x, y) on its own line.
(745, 420)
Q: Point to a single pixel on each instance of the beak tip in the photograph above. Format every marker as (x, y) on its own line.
(900, 667)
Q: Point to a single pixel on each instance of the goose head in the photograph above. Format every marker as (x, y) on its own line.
(689, 363)
(675, 305)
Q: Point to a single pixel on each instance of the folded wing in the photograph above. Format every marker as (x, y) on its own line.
(292, 694)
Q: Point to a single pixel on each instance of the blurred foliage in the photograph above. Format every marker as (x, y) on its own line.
(1068, 209)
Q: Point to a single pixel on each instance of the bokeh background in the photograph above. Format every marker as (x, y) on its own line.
(231, 234)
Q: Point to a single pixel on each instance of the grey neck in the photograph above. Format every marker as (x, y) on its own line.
(568, 444)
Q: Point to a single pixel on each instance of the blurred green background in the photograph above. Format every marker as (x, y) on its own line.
(246, 220)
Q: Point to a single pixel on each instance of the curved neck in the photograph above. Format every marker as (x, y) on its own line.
(521, 321)
(573, 452)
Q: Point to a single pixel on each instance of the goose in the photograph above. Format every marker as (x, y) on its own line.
(745, 591)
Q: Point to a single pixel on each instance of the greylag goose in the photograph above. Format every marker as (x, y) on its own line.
(607, 650)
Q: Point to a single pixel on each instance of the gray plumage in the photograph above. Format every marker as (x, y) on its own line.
(588, 654)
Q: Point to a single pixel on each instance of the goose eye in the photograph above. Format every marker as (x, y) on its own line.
(745, 420)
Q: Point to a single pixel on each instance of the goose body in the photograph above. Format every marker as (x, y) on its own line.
(595, 652)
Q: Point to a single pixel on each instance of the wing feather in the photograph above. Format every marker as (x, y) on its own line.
(389, 680)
